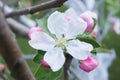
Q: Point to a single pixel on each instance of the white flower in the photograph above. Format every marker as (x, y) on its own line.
(66, 31)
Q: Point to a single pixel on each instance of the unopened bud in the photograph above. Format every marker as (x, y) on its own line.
(45, 64)
(88, 64)
(88, 18)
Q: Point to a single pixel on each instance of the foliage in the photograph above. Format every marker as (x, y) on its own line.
(114, 6)
(43, 73)
(112, 41)
(89, 39)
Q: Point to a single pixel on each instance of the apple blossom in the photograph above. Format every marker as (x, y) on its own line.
(88, 18)
(65, 31)
(88, 64)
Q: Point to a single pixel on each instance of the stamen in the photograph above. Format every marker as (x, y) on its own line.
(61, 42)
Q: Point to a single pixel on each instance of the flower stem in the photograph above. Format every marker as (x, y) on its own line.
(66, 66)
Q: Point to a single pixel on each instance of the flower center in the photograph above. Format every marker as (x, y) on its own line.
(61, 42)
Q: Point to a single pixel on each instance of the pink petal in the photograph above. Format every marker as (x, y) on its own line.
(88, 64)
(34, 29)
(88, 19)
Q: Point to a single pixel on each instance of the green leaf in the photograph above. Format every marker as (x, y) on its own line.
(89, 40)
(43, 24)
(38, 56)
(94, 51)
(62, 8)
(43, 73)
(102, 49)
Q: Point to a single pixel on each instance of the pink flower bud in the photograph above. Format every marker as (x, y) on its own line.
(89, 64)
(34, 29)
(2, 67)
(94, 33)
(93, 15)
(45, 64)
(88, 18)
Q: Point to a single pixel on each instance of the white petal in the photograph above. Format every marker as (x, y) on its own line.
(71, 13)
(76, 26)
(55, 58)
(79, 50)
(57, 23)
(41, 41)
(85, 46)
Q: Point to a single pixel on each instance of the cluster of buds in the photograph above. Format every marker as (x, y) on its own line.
(90, 63)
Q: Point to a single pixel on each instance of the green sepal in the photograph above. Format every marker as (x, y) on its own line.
(95, 21)
(38, 56)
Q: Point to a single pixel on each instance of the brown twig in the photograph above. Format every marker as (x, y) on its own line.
(17, 27)
(67, 65)
(12, 54)
(34, 9)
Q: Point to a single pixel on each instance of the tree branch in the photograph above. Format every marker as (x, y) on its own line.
(67, 65)
(17, 27)
(34, 9)
(12, 54)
